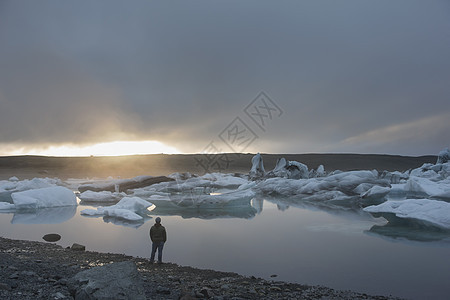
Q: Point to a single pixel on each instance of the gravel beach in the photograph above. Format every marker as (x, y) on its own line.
(38, 270)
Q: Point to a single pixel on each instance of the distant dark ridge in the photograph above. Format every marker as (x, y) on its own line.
(164, 164)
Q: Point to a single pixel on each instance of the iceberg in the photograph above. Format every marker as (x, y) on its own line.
(121, 185)
(15, 185)
(443, 156)
(257, 171)
(240, 197)
(417, 186)
(423, 211)
(6, 207)
(127, 208)
(44, 197)
(345, 182)
(290, 169)
(103, 196)
(376, 191)
(206, 184)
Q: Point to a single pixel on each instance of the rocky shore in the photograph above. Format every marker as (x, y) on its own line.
(37, 270)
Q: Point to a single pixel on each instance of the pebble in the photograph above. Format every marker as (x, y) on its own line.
(162, 290)
(59, 295)
(4, 286)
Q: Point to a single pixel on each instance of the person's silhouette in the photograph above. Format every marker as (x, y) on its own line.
(158, 236)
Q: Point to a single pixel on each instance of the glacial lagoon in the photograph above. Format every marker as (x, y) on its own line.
(379, 233)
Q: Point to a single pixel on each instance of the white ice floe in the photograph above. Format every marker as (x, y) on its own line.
(46, 197)
(206, 184)
(103, 196)
(15, 185)
(345, 182)
(127, 208)
(5, 206)
(426, 211)
(235, 198)
(434, 172)
(376, 191)
(121, 185)
(417, 186)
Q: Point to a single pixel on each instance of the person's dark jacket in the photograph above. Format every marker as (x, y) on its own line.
(158, 233)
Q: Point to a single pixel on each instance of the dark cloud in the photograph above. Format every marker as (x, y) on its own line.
(179, 72)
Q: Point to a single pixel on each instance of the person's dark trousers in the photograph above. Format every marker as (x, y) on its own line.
(159, 246)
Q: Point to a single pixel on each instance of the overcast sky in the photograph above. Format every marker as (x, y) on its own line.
(341, 76)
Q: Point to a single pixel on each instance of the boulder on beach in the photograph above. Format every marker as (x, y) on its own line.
(114, 281)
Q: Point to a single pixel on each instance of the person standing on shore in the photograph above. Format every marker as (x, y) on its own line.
(158, 236)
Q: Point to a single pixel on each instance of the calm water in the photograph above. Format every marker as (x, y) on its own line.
(299, 244)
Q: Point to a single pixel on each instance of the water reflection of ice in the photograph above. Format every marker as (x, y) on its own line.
(242, 212)
(54, 215)
(407, 233)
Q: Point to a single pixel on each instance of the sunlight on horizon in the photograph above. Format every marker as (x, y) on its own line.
(118, 148)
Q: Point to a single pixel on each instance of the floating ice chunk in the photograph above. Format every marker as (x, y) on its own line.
(297, 170)
(220, 180)
(425, 187)
(345, 182)
(236, 198)
(289, 169)
(135, 204)
(443, 156)
(45, 197)
(14, 178)
(280, 169)
(127, 209)
(120, 185)
(257, 170)
(103, 196)
(122, 213)
(320, 172)
(376, 191)
(23, 185)
(428, 170)
(425, 211)
(5, 206)
(395, 177)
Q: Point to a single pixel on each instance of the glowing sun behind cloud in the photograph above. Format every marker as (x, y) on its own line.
(103, 149)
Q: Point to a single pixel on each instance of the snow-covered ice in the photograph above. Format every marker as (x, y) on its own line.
(424, 211)
(45, 197)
